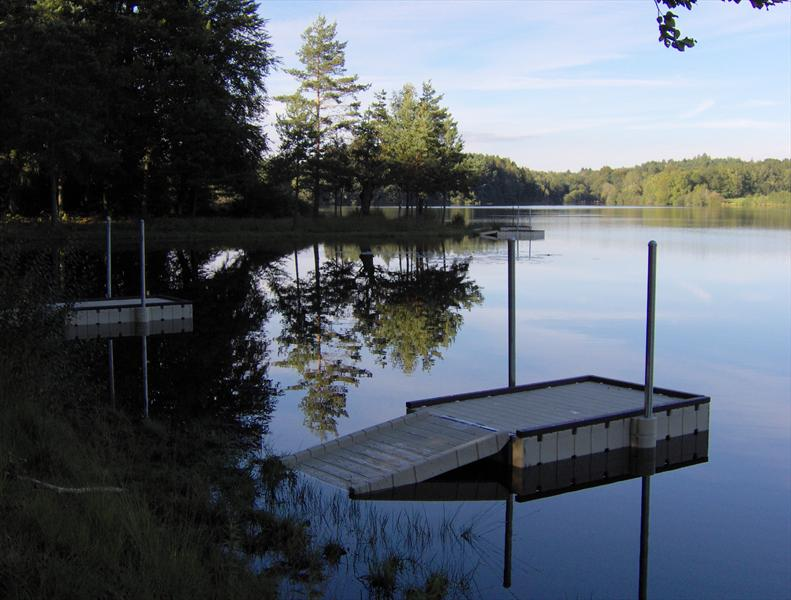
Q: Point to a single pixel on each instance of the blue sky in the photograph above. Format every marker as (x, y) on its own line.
(566, 84)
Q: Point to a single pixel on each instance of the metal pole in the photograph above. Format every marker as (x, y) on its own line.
(109, 289)
(511, 314)
(649, 331)
(509, 529)
(142, 263)
(645, 514)
(145, 375)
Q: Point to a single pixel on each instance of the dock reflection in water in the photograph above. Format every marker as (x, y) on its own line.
(490, 480)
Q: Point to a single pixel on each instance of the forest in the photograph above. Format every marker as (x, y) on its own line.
(156, 108)
(699, 181)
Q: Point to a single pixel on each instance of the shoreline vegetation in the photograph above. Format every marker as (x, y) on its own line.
(98, 502)
(375, 227)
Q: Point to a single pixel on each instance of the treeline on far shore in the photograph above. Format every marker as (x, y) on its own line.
(699, 181)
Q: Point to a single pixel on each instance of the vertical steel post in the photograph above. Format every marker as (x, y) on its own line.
(649, 331)
(645, 517)
(142, 264)
(511, 314)
(509, 529)
(108, 293)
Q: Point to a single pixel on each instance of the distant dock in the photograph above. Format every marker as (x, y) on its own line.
(514, 233)
(120, 317)
(526, 426)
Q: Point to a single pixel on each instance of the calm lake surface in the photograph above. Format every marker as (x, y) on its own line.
(310, 357)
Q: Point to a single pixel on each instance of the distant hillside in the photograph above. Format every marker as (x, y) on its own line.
(700, 181)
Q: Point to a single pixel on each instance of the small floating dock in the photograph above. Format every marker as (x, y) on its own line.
(526, 426)
(514, 233)
(129, 310)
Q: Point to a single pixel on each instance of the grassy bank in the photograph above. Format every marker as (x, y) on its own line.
(773, 200)
(248, 231)
(97, 504)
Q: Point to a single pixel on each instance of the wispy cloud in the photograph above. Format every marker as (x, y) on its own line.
(698, 110)
(697, 292)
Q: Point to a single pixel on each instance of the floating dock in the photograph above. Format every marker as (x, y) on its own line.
(514, 233)
(121, 317)
(488, 481)
(526, 426)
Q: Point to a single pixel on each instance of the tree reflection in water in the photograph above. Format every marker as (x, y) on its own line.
(403, 316)
(222, 368)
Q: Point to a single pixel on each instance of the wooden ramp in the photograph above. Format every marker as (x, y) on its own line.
(398, 452)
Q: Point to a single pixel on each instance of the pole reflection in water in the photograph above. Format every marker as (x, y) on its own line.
(489, 480)
(509, 529)
(511, 313)
(509, 503)
(109, 294)
(111, 360)
(145, 376)
(645, 515)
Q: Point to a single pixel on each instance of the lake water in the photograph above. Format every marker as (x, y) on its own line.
(309, 357)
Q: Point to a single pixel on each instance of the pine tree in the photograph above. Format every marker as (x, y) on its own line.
(368, 163)
(294, 128)
(332, 93)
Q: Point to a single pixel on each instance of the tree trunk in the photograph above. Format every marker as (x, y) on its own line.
(366, 196)
(317, 299)
(295, 207)
(316, 175)
(299, 294)
(56, 196)
(14, 183)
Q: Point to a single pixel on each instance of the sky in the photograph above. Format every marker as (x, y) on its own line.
(568, 84)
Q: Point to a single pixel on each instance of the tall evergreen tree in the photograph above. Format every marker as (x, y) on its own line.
(332, 93)
(421, 145)
(445, 145)
(368, 165)
(157, 103)
(295, 130)
(405, 142)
